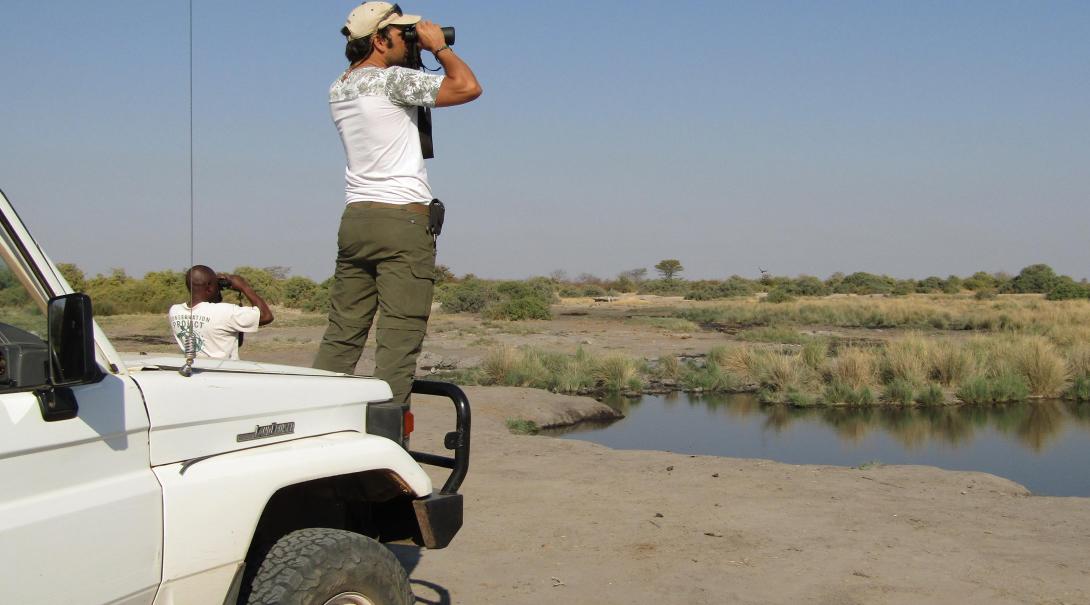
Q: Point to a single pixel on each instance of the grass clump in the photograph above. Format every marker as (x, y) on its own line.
(854, 367)
(932, 394)
(1000, 389)
(838, 392)
(709, 377)
(1080, 389)
(899, 391)
(668, 368)
(617, 373)
(1044, 370)
(781, 334)
(800, 399)
(815, 354)
(519, 426)
(951, 364)
(906, 359)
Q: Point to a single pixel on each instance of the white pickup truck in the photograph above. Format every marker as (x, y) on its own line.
(123, 481)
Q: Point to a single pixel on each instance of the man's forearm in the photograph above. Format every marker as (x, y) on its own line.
(461, 82)
(257, 301)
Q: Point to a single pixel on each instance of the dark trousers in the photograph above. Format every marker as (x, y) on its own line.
(385, 263)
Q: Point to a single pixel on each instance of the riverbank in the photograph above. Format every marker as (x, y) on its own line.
(551, 519)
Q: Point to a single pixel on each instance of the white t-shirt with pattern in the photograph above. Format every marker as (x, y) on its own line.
(213, 327)
(375, 111)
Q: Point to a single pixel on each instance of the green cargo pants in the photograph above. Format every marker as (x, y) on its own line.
(385, 262)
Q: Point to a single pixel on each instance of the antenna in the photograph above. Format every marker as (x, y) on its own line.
(190, 337)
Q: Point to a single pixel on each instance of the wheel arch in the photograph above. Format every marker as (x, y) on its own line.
(239, 501)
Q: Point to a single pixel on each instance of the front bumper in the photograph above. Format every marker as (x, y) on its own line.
(439, 517)
(440, 514)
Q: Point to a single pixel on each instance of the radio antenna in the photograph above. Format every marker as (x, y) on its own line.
(190, 336)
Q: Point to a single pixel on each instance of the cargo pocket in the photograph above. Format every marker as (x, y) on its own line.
(405, 291)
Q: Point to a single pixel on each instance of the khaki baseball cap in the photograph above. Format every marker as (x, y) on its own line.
(370, 17)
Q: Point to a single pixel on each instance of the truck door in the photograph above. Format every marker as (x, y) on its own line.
(80, 510)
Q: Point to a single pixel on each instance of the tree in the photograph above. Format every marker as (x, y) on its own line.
(669, 267)
(1034, 278)
(74, 276)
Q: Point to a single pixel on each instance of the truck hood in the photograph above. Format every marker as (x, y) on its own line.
(233, 405)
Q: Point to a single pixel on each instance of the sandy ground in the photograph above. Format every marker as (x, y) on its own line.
(549, 519)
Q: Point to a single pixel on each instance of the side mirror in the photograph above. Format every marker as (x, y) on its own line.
(71, 341)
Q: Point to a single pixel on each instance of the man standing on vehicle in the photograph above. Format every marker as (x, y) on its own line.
(385, 250)
(209, 326)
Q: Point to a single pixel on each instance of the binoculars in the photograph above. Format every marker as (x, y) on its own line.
(409, 34)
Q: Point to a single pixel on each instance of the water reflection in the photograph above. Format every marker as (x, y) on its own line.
(1040, 444)
(1033, 423)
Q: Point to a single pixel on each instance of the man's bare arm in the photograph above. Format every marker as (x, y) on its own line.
(460, 84)
(239, 283)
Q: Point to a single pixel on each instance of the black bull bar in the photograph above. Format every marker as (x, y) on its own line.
(457, 440)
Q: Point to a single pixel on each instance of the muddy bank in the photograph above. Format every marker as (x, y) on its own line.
(551, 519)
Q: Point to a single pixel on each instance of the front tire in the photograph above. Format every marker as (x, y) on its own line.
(319, 566)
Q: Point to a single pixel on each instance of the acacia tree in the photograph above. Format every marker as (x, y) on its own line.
(669, 267)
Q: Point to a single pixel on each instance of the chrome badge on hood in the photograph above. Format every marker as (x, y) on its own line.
(275, 429)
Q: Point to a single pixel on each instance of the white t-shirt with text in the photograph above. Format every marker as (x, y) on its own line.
(375, 111)
(214, 327)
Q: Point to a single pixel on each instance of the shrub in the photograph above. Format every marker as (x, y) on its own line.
(778, 295)
(517, 309)
(1065, 288)
(986, 294)
(468, 296)
(1035, 278)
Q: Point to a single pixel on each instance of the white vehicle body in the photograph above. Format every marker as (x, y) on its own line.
(156, 487)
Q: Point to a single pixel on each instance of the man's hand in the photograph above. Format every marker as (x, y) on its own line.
(460, 85)
(430, 36)
(234, 282)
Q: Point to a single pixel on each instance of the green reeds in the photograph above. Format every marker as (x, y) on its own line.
(1000, 389)
(931, 395)
(899, 391)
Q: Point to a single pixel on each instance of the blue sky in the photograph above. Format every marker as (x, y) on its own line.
(802, 137)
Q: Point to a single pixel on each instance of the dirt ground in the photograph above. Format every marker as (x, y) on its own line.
(548, 519)
(553, 520)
